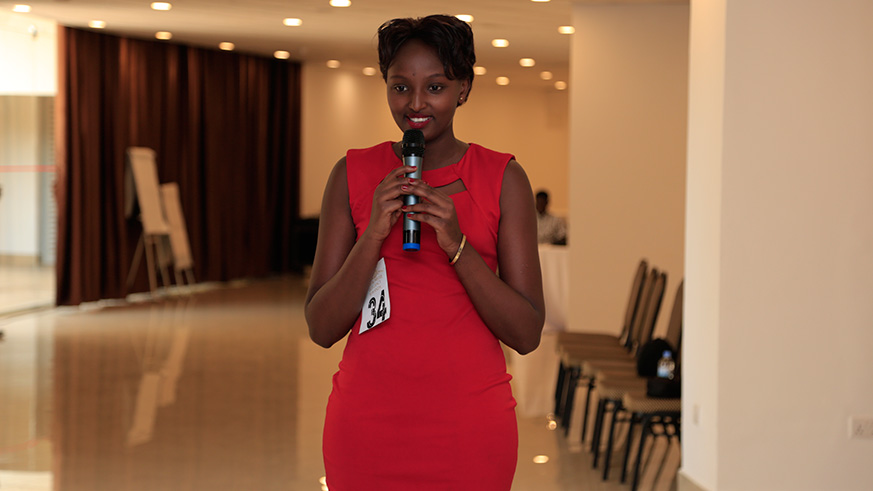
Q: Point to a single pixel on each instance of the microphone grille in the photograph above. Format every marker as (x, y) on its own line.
(413, 142)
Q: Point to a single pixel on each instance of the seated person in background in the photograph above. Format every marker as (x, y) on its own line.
(550, 229)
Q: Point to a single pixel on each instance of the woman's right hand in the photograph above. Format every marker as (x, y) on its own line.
(387, 201)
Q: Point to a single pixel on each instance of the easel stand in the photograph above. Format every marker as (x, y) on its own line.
(156, 259)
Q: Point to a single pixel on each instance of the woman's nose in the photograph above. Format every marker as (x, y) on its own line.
(417, 101)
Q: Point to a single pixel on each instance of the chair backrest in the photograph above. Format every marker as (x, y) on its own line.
(640, 312)
(633, 303)
(674, 327)
(651, 310)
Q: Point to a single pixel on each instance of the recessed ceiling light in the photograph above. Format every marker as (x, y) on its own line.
(21, 8)
(340, 3)
(333, 63)
(97, 24)
(282, 55)
(499, 43)
(465, 17)
(292, 21)
(566, 29)
(161, 6)
(502, 80)
(479, 70)
(546, 75)
(560, 85)
(540, 459)
(369, 71)
(164, 35)
(540, 1)
(527, 62)
(226, 46)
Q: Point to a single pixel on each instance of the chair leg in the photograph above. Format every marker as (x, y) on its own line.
(589, 387)
(645, 429)
(559, 390)
(569, 396)
(632, 421)
(598, 430)
(607, 457)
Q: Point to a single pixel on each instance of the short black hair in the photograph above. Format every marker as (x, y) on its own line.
(451, 37)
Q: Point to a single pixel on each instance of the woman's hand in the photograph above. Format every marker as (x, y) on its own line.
(387, 201)
(436, 209)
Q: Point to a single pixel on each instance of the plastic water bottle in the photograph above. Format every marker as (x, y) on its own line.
(666, 365)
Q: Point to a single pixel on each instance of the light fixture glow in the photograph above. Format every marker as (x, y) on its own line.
(292, 22)
(479, 70)
(281, 55)
(502, 80)
(546, 75)
(226, 46)
(465, 17)
(561, 85)
(333, 63)
(97, 24)
(566, 29)
(540, 1)
(369, 71)
(22, 9)
(164, 35)
(499, 43)
(340, 3)
(161, 6)
(527, 62)
(541, 459)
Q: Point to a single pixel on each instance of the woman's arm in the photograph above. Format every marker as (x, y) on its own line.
(510, 304)
(343, 267)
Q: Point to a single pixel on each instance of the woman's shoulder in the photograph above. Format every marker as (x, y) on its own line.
(479, 153)
(381, 151)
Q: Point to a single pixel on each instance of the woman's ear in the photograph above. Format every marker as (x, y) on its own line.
(465, 90)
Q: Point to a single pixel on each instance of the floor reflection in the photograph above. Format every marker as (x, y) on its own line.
(218, 390)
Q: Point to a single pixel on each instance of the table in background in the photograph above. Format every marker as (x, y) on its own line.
(534, 374)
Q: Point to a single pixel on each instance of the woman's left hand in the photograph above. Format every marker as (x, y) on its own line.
(436, 209)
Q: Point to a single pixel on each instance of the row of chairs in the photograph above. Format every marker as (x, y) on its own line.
(606, 367)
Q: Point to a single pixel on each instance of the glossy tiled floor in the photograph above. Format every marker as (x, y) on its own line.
(217, 390)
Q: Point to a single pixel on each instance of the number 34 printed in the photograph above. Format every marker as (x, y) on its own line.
(377, 304)
(377, 312)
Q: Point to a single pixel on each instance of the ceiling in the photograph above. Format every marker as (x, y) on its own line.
(344, 34)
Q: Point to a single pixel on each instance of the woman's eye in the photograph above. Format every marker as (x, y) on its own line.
(436, 88)
(399, 89)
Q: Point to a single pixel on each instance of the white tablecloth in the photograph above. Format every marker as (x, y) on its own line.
(534, 375)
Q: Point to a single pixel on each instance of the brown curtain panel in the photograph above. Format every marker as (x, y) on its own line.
(224, 126)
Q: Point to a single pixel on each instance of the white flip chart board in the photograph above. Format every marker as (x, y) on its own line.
(145, 177)
(178, 232)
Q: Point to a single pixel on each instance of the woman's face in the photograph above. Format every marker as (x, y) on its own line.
(420, 95)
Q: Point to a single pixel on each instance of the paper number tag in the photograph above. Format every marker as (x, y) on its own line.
(377, 305)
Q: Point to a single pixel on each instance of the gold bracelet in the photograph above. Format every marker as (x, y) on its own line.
(460, 249)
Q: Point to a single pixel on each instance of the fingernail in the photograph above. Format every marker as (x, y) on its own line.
(411, 181)
(404, 188)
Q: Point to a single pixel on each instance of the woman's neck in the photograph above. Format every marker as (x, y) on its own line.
(443, 152)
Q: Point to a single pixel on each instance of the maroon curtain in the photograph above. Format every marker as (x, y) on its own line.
(225, 127)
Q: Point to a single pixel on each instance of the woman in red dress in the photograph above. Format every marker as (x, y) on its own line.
(422, 399)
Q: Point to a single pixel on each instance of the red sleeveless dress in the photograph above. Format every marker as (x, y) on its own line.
(422, 401)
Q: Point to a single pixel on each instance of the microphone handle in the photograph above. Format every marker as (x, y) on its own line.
(411, 228)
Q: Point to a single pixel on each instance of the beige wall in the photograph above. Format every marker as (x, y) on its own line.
(628, 125)
(28, 55)
(344, 109)
(780, 269)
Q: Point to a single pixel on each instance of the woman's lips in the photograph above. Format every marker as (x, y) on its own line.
(417, 121)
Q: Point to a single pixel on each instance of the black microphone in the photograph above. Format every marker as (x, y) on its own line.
(412, 149)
